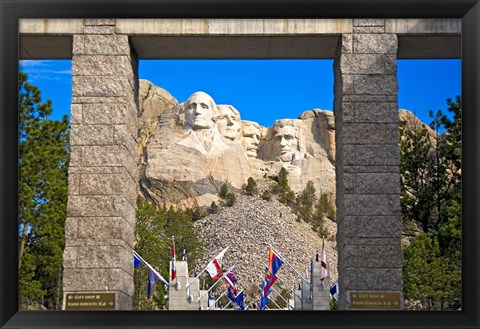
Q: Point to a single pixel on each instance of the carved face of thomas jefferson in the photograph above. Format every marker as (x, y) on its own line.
(200, 110)
(228, 122)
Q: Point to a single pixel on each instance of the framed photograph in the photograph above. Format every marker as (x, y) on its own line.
(127, 137)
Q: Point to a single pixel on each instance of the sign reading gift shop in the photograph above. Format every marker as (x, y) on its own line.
(375, 300)
(89, 301)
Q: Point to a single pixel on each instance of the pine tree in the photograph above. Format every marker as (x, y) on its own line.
(285, 193)
(251, 187)
(43, 163)
(223, 191)
(304, 204)
(153, 232)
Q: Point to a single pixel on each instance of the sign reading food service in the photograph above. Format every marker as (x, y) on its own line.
(89, 301)
(375, 300)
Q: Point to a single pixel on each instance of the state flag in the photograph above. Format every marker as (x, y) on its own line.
(214, 268)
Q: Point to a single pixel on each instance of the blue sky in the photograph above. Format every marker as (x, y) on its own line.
(262, 90)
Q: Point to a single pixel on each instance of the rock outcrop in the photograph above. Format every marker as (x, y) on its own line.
(189, 150)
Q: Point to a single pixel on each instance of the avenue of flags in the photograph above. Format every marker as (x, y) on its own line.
(214, 269)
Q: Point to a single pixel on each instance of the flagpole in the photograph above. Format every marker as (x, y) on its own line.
(286, 262)
(218, 280)
(288, 304)
(274, 303)
(150, 267)
(292, 290)
(216, 300)
(198, 275)
(229, 302)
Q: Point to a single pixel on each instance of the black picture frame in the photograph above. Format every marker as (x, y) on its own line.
(13, 10)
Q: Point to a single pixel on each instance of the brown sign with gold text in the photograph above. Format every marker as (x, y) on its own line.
(90, 301)
(375, 300)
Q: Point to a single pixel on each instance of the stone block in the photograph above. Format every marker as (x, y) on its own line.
(372, 279)
(369, 29)
(101, 227)
(373, 256)
(349, 182)
(99, 86)
(121, 280)
(73, 184)
(364, 98)
(85, 279)
(71, 228)
(99, 21)
(368, 22)
(124, 208)
(99, 29)
(97, 65)
(108, 155)
(377, 183)
(373, 226)
(347, 44)
(78, 46)
(368, 64)
(91, 135)
(90, 205)
(125, 65)
(104, 257)
(347, 84)
(76, 114)
(123, 301)
(123, 135)
(374, 44)
(375, 84)
(70, 257)
(106, 45)
(373, 205)
(377, 155)
(348, 112)
(372, 169)
(99, 100)
(104, 113)
(367, 133)
(348, 154)
(376, 112)
(373, 241)
(75, 156)
(102, 184)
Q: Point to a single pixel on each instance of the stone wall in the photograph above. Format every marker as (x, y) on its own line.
(368, 158)
(103, 175)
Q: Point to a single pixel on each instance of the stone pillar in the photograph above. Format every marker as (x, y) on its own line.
(103, 175)
(367, 168)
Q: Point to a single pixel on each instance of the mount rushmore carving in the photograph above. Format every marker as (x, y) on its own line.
(189, 150)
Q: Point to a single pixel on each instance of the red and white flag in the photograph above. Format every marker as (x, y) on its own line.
(214, 268)
(323, 269)
(174, 270)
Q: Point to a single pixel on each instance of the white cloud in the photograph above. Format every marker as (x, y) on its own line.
(45, 70)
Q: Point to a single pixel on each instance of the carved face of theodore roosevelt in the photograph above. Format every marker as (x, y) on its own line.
(251, 138)
(228, 122)
(200, 109)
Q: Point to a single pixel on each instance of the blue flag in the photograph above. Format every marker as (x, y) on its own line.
(136, 261)
(152, 280)
(240, 301)
(334, 290)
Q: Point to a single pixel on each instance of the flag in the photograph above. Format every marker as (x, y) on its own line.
(268, 285)
(214, 268)
(174, 270)
(231, 279)
(263, 297)
(230, 294)
(323, 269)
(240, 301)
(152, 280)
(334, 290)
(274, 263)
(211, 300)
(136, 261)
